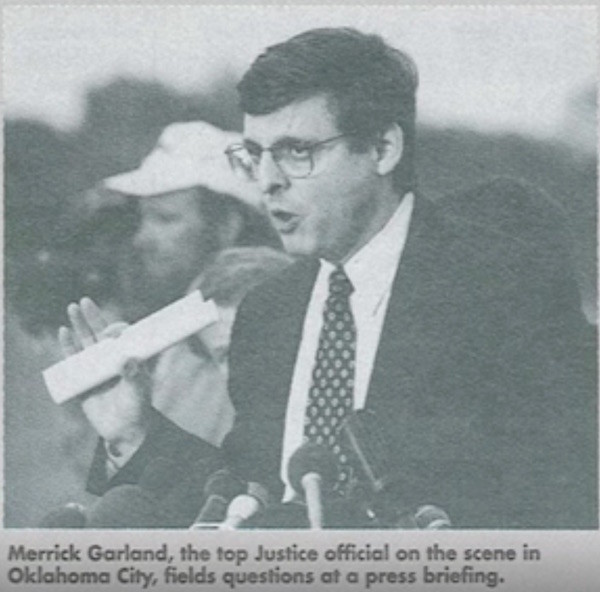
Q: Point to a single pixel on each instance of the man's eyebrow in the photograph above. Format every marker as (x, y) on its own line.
(251, 144)
(280, 141)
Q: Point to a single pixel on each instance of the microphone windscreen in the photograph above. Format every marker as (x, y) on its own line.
(225, 484)
(248, 455)
(259, 492)
(238, 447)
(127, 506)
(240, 510)
(221, 487)
(71, 515)
(313, 458)
(368, 443)
(431, 517)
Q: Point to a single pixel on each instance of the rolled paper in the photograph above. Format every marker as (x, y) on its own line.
(104, 360)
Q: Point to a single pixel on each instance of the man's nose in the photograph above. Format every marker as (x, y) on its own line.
(270, 177)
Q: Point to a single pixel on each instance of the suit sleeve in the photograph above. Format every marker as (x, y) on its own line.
(252, 447)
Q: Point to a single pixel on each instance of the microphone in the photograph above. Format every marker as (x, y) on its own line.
(71, 515)
(362, 434)
(313, 469)
(127, 506)
(241, 508)
(241, 452)
(182, 488)
(221, 487)
(368, 443)
(260, 493)
(146, 504)
(431, 517)
(245, 506)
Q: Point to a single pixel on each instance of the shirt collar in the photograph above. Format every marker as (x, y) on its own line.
(372, 269)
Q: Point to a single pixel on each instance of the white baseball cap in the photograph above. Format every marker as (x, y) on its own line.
(187, 155)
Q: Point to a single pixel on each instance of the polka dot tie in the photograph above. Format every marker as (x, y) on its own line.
(330, 397)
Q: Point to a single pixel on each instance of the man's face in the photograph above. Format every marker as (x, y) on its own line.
(335, 210)
(173, 239)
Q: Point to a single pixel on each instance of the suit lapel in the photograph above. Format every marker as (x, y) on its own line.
(401, 357)
(399, 361)
(287, 324)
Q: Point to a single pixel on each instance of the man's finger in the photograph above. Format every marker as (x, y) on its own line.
(81, 329)
(67, 344)
(93, 315)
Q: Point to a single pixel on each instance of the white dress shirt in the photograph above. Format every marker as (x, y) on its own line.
(371, 271)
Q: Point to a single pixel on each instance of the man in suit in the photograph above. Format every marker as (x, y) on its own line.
(465, 341)
(461, 336)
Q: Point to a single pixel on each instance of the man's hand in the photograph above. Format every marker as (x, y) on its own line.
(118, 410)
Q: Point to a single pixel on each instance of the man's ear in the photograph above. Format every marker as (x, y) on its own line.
(389, 149)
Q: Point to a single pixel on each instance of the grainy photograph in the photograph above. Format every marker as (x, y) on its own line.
(300, 268)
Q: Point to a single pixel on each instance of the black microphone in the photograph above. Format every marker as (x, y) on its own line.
(260, 493)
(145, 504)
(369, 446)
(221, 487)
(71, 515)
(368, 442)
(313, 470)
(242, 454)
(127, 506)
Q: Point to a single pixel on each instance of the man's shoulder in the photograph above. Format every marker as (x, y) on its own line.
(284, 288)
(502, 222)
(512, 209)
(492, 244)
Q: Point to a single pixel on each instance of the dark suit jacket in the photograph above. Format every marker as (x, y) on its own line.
(171, 467)
(485, 372)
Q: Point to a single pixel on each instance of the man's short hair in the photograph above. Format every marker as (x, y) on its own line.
(369, 86)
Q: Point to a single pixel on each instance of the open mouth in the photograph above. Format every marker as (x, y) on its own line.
(284, 221)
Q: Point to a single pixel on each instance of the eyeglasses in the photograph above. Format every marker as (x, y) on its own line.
(295, 158)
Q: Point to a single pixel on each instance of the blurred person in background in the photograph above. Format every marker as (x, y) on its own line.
(190, 379)
(191, 207)
(189, 386)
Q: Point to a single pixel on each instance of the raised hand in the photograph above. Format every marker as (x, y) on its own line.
(119, 409)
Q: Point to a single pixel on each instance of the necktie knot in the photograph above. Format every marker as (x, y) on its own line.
(339, 283)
